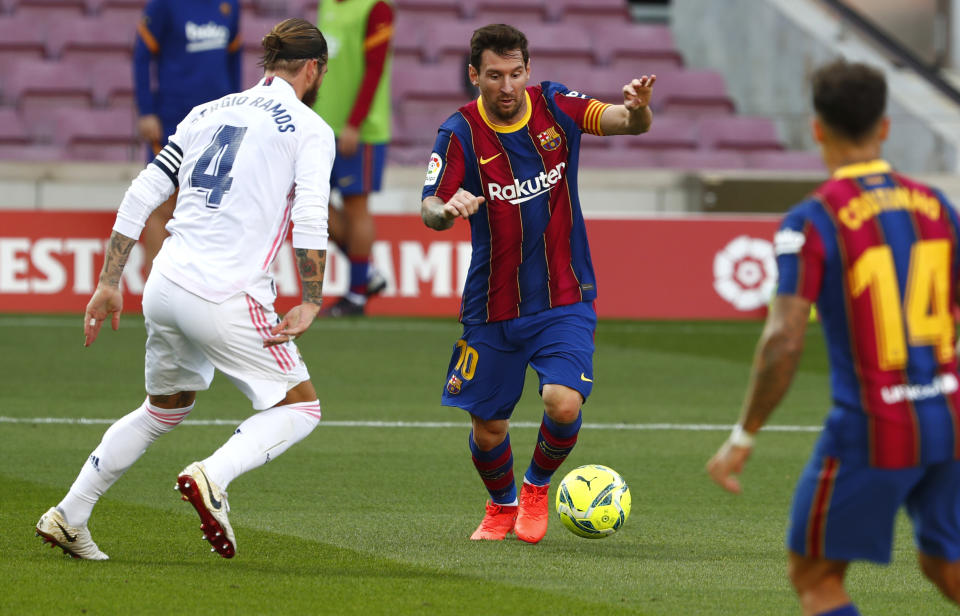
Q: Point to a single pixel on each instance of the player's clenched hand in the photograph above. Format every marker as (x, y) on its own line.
(293, 324)
(106, 302)
(726, 463)
(149, 128)
(462, 204)
(637, 93)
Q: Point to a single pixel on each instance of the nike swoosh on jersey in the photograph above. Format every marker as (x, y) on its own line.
(484, 161)
(583, 377)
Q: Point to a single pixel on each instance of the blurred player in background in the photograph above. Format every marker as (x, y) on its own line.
(356, 103)
(247, 165)
(507, 163)
(878, 253)
(187, 52)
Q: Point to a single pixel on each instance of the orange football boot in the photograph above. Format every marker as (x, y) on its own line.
(497, 522)
(531, 523)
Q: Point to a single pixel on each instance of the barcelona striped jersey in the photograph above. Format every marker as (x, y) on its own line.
(878, 253)
(530, 249)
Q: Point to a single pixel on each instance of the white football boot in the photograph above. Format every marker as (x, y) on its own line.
(73, 540)
(211, 504)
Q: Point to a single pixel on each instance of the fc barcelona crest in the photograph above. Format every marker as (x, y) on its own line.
(453, 385)
(549, 139)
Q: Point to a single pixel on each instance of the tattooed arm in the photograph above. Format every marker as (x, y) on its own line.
(107, 301)
(774, 365)
(311, 264)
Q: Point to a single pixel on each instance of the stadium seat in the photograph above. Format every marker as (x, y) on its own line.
(692, 92)
(20, 40)
(130, 10)
(409, 155)
(91, 39)
(636, 47)
(112, 83)
(792, 160)
(586, 12)
(50, 11)
(668, 133)
(554, 48)
(32, 152)
(448, 40)
(12, 128)
(37, 87)
(702, 159)
(447, 80)
(428, 9)
(618, 158)
(96, 134)
(516, 12)
(743, 133)
(408, 38)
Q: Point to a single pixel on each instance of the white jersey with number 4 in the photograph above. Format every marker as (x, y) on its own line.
(247, 165)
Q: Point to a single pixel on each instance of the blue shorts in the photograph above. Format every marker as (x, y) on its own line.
(489, 362)
(361, 173)
(846, 510)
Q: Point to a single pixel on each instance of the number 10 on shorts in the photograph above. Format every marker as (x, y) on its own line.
(467, 362)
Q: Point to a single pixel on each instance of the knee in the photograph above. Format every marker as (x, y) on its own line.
(487, 435)
(561, 404)
(815, 578)
(178, 400)
(945, 575)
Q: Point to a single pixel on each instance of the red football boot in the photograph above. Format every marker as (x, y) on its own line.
(497, 522)
(531, 523)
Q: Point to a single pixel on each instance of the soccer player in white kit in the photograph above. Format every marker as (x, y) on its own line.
(247, 165)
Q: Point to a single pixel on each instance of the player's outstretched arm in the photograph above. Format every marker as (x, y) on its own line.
(774, 365)
(311, 264)
(107, 301)
(440, 215)
(634, 116)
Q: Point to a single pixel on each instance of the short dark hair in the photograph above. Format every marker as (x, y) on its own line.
(290, 44)
(501, 39)
(850, 98)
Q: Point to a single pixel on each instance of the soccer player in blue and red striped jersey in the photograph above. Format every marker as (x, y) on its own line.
(878, 253)
(507, 163)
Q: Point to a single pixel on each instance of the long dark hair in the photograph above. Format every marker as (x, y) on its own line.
(290, 44)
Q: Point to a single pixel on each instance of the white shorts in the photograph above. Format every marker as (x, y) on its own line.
(188, 337)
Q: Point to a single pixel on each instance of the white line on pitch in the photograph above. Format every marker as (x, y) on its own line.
(424, 424)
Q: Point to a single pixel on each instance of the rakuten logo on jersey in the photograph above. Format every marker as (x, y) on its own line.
(518, 192)
(204, 37)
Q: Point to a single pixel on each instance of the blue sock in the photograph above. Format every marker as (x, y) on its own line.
(555, 441)
(359, 270)
(845, 610)
(496, 470)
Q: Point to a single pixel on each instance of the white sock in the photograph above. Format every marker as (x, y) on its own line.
(262, 438)
(122, 444)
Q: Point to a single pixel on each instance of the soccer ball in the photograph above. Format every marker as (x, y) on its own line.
(593, 501)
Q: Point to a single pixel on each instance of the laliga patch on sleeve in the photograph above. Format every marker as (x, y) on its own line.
(433, 169)
(788, 242)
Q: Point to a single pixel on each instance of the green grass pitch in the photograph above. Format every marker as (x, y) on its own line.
(364, 519)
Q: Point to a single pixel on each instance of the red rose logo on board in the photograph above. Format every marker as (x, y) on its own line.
(745, 272)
